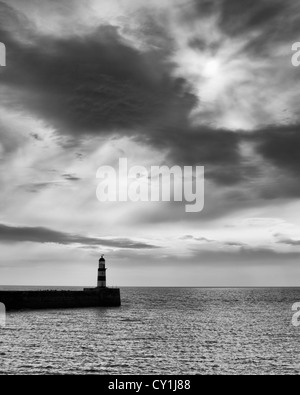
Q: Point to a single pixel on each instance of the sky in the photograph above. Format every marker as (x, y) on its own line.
(164, 82)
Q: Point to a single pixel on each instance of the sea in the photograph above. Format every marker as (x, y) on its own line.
(161, 331)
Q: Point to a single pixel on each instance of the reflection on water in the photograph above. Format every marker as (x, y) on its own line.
(159, 331)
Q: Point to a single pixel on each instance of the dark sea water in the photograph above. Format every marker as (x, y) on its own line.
(159, 331)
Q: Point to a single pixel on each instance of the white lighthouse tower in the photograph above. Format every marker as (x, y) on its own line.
(101, 273)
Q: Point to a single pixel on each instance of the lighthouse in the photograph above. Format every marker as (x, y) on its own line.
(101, 273)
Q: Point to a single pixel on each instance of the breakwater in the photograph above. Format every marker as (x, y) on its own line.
(94, 297)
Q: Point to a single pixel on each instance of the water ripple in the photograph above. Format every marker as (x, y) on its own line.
(159, 331)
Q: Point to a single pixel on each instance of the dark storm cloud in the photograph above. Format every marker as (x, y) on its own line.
(243, 16)
(12, 234)
(206, 7)
(280, 145)
(13, 23)
(239, 17)
(97, 84)
(94, 84)
(278, 148)
(215, 148)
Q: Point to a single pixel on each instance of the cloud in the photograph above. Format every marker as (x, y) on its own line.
(279, 145)
(218, 243)
(93, 84)
(194, 238)
(284, 239)
(169, 81)
(35, 187)
(246, 255)
(71, 177)
(97, 83)
(262, 15)
(12, 234)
